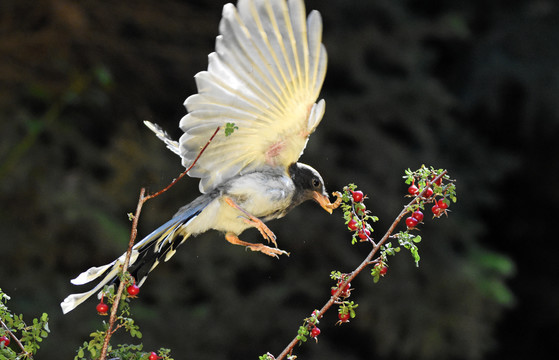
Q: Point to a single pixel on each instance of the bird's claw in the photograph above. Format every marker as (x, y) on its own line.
(273, 252)
(266, 233)
(264, 230)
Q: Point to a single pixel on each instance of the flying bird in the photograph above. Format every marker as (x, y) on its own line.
(264, 77)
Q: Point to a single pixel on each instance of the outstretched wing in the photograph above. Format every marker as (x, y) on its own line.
(264, 76)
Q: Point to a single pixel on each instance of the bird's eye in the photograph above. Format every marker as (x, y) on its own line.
(315, 182)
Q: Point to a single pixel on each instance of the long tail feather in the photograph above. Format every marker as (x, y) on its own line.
(161, 244)
(163, 136)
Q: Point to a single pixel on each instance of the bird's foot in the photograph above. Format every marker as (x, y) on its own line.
(255, 222)
(274, 252)
(264, 230)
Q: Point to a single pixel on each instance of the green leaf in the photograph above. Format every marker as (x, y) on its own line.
(230, 128)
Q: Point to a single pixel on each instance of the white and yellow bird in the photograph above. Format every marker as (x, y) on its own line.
(265, 77)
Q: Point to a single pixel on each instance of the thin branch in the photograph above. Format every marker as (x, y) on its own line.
(186, 171)
(133, 234)
(366, 262)
(118, 295)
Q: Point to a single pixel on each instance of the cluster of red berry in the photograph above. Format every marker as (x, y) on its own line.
(356, 223)
(102, 309)
(341, 292)
(440, 206)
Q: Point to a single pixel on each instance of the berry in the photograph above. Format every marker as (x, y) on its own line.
(442, 204)
(352, 225)
(417, 215)
(357, 196)
(438, 182)
(383, 271)
(411, 222)
(345, 292)
(428, 193)
(102, 308)
(344, 317)
(133, 290)
(437, 211)
(413, 190)
(4, 340)
(153, 356)
(314, 332)
(364, 234)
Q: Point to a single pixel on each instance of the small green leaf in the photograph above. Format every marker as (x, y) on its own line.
(230, 128)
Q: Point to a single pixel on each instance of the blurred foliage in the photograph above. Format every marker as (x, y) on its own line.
(467, 86)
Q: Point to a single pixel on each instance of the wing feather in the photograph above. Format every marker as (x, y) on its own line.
(265, 76)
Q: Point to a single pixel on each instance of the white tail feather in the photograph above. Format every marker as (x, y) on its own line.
(163, 136)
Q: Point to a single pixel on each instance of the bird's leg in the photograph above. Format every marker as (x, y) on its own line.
(274, 252)
(254, 221)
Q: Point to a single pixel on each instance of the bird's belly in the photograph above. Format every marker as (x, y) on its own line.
(261, 195)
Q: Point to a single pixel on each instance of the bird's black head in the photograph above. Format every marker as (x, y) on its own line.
(308, 185)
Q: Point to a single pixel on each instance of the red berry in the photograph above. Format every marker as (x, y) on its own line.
(413, 190)
(428, 193)
(352, 225)
(153, 356)
(357, 196)
(382, 270)
(102, 308)
(133, 290)
(438, 182)
(344, 317)
(364, 234)
(442, 204)
(437, 211)
(411, 222)
(4, 340)
(346, 291)
(417, 215)
(314, 332)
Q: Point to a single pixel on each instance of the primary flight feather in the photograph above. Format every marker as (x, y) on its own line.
(264, 77)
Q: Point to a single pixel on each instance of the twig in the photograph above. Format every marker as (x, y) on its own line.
(186, 171)
(368, 261)
(133, 234)
(118, 295)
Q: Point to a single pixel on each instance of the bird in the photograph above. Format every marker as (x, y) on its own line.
(264, 79)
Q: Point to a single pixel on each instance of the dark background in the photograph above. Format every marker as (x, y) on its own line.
(470, 86)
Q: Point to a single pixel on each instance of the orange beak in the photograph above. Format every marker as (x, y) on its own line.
(323, 200)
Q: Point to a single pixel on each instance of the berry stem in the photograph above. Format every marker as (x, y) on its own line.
(365, 263)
